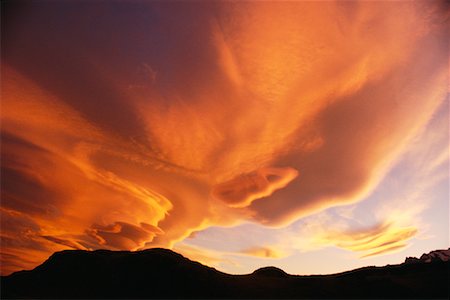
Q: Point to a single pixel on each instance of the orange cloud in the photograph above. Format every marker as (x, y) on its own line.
(204, 114)
(241, 191)
(69, 243)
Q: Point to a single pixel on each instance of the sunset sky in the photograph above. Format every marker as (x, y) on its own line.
(311, 136)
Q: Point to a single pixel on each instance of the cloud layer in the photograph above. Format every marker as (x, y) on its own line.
(173, 117)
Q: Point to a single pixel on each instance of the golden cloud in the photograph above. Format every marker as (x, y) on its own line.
(380, 239)
(264, 252)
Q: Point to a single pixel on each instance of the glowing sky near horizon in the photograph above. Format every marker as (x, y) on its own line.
(312, 136)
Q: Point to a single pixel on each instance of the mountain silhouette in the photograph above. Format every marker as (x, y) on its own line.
(161, 273)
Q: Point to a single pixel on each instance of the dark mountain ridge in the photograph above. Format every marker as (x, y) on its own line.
(161, 273)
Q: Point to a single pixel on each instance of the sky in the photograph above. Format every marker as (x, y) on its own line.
(311, 136)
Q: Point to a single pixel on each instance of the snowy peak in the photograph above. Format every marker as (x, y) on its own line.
(436, 255)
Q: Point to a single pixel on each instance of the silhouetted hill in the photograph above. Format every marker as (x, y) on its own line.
(161, 273)
(270, 272)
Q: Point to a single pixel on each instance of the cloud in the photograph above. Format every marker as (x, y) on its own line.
(68, 243)
(389, 249)
(242, 190)
(121, 235)
(98, 153)
(380, 239)
(264, 252)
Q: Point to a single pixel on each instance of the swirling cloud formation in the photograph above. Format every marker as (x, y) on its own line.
(131, 125)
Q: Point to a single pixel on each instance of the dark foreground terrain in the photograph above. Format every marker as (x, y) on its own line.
(160, 273)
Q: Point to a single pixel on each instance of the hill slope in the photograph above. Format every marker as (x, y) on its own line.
(161, 273)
